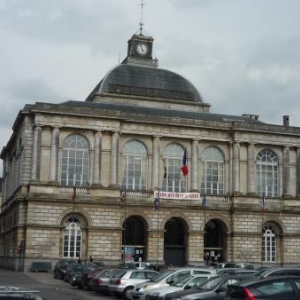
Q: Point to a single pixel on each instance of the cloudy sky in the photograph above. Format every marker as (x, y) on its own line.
(242, 55)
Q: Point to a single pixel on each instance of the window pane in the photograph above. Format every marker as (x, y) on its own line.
(75, 161)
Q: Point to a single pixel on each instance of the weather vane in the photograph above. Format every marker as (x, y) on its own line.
(142, 4)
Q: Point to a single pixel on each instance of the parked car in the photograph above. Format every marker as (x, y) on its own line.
(278, 271)
(237, 271)
(212, 289)
(122, 282)
(80, 279)
(166, 278)
(61, 266)
(236, 265)
(72, 270)
(100, 280)
(187, 283)
(280, 288)
(16, 292)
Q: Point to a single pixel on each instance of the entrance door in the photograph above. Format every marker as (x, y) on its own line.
(175, 242)
(134, 238)
(215, 241)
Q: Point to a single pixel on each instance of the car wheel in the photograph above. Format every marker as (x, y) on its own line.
(127, 293)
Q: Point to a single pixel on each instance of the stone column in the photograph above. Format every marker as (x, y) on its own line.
(36, 153)
(286, 171)
(113, 159)
(156, 176)
(195, 166)
(96, 170)
(236, 167)
(54, 154)
(251, 164)
(298, 172)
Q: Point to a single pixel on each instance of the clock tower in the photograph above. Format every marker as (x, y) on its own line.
(140, 50)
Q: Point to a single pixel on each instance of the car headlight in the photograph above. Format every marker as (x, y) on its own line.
(176, 298)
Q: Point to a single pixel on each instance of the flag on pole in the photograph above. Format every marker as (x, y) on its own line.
(122, 198)
(184, 166)
(262, 204)
(73, 198)
(204, 201)
(156, 203)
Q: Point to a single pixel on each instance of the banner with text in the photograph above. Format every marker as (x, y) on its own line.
(179, 196)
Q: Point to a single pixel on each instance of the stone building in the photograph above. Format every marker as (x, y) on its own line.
(102, 177)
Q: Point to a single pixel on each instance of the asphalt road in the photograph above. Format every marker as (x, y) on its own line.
(50, 288)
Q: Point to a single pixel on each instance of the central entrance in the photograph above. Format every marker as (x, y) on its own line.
(175, 238)
(215, 241)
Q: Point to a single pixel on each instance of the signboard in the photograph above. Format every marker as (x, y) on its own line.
(175, 196)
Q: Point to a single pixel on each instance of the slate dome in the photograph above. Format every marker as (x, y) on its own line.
(139, 80)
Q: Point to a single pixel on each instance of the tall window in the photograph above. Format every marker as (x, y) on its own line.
(72, 238)
(134, 166)
(267, 173)
(75, 161)
(173, 180)
(269, 244)
(213, 171)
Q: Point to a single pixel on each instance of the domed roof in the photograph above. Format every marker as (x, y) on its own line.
(139, 80)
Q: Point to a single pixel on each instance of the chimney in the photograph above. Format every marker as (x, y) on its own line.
(286, 121)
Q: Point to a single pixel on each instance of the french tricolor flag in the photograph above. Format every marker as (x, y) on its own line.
(184, 166)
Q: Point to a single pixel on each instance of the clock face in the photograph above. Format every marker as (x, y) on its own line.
(142, 48)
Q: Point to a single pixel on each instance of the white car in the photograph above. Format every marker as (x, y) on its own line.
(141, 265)
(166, 278)
(122, 282)
(186, 283)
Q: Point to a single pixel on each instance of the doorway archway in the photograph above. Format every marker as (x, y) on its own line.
(175, 238)
(134, 239)
(215, 241)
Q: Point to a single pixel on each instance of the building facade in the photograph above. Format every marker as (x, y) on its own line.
(102, 177)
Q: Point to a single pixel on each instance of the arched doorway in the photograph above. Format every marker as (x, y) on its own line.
(215, 241)
(175, 237)
(134, 238)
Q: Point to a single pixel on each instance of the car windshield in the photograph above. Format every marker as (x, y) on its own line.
(182, 281)
(163, 275)
(106, 273)
(78, 267)
(210, 284)
(261, 273)
(118, 274)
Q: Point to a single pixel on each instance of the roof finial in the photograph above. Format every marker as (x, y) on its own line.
(142, 10)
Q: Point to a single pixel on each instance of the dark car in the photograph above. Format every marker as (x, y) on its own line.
(61, 267)
(278, 271)
(81, 279)
(72, 270)
(272, 288)
(213, 289)
(100, 281)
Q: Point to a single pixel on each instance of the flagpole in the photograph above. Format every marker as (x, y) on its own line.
(262, 227)
(157, 249)
(125, 226)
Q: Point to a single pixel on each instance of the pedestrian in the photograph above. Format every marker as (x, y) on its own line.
(79, 260)
(91, 259)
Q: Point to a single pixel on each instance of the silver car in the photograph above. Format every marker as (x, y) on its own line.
(122, 283)
(187, 283)
(166, 278)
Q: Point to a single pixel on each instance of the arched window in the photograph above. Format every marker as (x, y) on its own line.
(213, 171)
(267, 173)
(75, 161)
(72, 238)
(134, 166)
(269, 244)
(173, 180)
